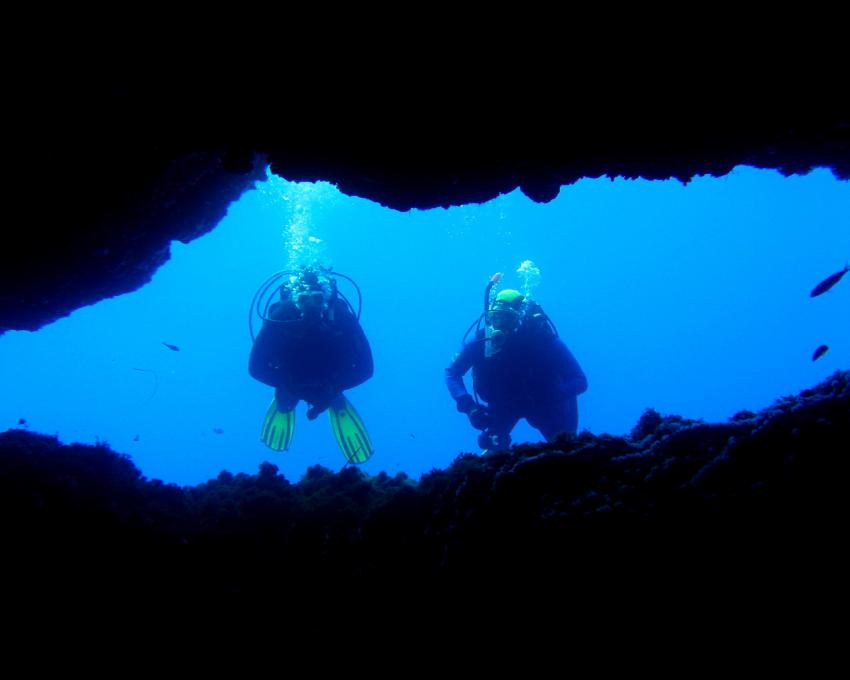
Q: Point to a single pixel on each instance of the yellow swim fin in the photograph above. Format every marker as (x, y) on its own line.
(350, 432)
(278, 427)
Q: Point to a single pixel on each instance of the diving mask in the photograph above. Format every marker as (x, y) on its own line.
(503, 319)
(309, 299)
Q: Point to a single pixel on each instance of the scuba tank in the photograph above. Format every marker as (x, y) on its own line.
(534, 318)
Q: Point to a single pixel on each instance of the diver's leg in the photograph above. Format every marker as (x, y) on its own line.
(323, 402)
(497, 436)
(286, 401)
(557, 417)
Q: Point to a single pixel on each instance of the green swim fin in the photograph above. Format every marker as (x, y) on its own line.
(278, 428)
(350, 432)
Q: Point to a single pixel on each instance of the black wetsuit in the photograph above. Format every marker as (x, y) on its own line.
(534, 376)
(313, 359)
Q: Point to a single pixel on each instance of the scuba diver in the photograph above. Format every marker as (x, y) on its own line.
(520, 367)
(311, 347)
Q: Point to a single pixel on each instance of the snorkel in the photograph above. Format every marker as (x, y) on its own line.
(487, 302)
(493, 338)
(488, 294)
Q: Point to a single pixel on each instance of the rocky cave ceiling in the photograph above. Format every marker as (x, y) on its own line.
(106, 176)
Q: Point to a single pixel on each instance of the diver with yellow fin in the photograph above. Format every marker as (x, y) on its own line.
(311, 347)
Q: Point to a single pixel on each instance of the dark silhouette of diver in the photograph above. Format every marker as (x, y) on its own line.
(520, 368)
(311, 347)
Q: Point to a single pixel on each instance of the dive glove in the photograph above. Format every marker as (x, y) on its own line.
(478, 416)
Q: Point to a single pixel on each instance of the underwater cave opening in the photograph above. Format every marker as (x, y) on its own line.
(689, 299)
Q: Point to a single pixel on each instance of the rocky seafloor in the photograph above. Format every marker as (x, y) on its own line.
(756, 503)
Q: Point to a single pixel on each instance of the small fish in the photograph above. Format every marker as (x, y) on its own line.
(819, 352)
(218, 430)
(412, 436)
(829, 282)
(173, 348)
(136, 438)
(22, 421)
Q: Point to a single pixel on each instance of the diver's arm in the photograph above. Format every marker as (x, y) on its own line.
(573, 379)
(457, 369)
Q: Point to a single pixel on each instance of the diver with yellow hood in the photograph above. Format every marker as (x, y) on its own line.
(520, 369)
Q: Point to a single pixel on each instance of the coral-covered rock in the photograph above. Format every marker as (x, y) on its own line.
(678, 501)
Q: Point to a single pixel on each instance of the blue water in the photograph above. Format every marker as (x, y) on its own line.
(691, 299)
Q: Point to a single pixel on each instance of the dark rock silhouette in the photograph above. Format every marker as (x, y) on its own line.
(747, 504)
(109, 171)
